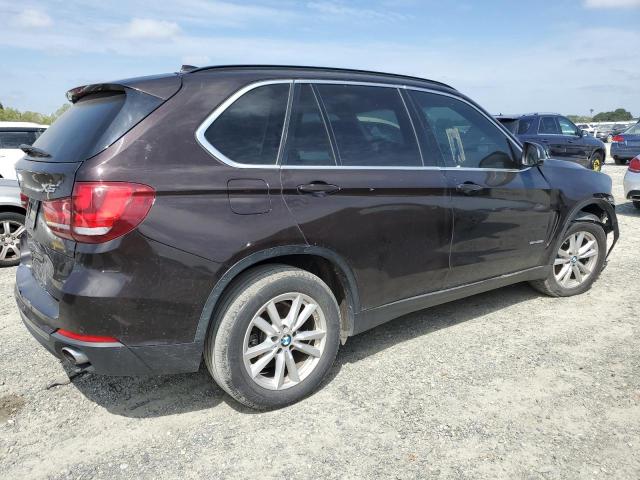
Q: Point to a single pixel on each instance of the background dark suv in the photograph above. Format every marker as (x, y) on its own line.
(257, 216)
(563, 139)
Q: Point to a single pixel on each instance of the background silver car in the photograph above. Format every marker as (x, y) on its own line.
(12, 213)
(632, 182)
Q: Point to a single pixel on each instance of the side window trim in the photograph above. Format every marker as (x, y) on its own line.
(219, 110)
(202, 141)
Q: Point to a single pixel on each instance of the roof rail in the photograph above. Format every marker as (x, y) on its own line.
(321, 69)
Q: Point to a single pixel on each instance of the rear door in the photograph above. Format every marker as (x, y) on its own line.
(502, 214)
(353, 178)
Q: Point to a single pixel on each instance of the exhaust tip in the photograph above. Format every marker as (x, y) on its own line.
(73, 356)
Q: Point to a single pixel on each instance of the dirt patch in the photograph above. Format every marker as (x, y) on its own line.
(10, 405)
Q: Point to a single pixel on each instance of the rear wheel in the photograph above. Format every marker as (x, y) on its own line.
(577, 263)
(275, 337)
(596, 161)
(11, 228)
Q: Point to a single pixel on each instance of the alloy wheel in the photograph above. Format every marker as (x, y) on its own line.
(576, 259)
(284, 341)
(10, 232)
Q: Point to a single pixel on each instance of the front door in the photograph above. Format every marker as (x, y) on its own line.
(502, 214)
(365, 194)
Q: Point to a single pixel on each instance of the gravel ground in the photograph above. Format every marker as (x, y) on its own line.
(507, 384)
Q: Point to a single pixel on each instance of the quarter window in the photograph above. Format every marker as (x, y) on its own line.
(371, 126)
(466, 137)
(250, 130)
(548, 125)
(307, 138)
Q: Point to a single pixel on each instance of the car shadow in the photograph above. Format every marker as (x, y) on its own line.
(627, 209)
(146, 397)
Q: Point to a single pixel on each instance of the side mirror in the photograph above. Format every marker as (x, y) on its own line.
(533, 154)
(580, 133)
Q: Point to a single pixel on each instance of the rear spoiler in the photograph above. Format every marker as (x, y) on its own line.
(160, 86)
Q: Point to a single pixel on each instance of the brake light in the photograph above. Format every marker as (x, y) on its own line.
(24, 200)
(634, 165)
(85, 338)
(99, 211)
(618, 139)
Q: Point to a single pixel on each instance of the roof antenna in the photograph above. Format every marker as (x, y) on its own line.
(187, 68)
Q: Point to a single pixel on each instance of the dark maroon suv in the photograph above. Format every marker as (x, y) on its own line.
(256, 217)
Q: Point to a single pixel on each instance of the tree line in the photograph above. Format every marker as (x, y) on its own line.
(617, 115)
(8, 114)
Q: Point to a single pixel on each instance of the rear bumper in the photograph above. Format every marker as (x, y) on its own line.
(631, 184)
(624, 152)
(39, 312)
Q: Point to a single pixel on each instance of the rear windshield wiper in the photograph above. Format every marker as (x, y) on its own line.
(33, 151)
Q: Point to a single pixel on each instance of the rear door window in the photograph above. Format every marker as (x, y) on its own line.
(466, 138)
(548, 125)
(250, 130)
(371, 126)
(523, 126)
(307, 138)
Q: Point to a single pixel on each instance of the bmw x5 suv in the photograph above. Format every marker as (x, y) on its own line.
(257, 217)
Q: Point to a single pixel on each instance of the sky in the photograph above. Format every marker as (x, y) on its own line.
(567, 56)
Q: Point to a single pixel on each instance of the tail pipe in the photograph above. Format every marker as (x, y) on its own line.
(73, 356)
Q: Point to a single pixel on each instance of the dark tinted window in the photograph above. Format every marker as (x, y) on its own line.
(250, 130)
(466, 137)
(13, 139)
(371, 126)
(93, 123)
(523, 126)
(307, 138)
(548, 125)
(510, 124)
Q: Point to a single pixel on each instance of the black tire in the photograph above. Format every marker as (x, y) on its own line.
(596, 162)
(225, 341)
(550, 285)
(620, 161)
(636, 204)
(12, 243)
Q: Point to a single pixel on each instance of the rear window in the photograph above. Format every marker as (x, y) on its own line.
(15, 138)
(93, 123)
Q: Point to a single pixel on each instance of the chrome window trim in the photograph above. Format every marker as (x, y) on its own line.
(214, 152)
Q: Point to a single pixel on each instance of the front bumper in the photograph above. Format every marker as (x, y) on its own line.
(39, 312)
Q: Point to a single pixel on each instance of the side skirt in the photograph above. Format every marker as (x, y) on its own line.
(368, 319)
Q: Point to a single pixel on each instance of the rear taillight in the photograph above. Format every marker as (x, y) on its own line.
(99, 211)
(617, 139)
(24, 200)
(634, 165)
(85, 338)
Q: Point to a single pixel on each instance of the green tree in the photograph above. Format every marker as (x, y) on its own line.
(579, 118)
(618, 115)
(8, 114)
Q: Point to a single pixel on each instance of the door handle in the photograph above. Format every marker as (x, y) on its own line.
(469, 188)
(318, 188)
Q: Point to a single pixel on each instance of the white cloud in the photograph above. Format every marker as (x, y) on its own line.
(338, 10)
(32, 18)
(612, 3)
(147, 28)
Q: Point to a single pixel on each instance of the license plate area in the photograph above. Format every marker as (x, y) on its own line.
(32, 214)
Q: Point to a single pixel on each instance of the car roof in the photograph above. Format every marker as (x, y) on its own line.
(312, 71)
(25, 125)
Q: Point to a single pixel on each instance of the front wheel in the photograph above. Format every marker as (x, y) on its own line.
(274, 338)
(577, 263)
(636, 204)
(596, 162)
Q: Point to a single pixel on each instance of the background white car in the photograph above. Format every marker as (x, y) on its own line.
(632, 182)
(12, 135)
